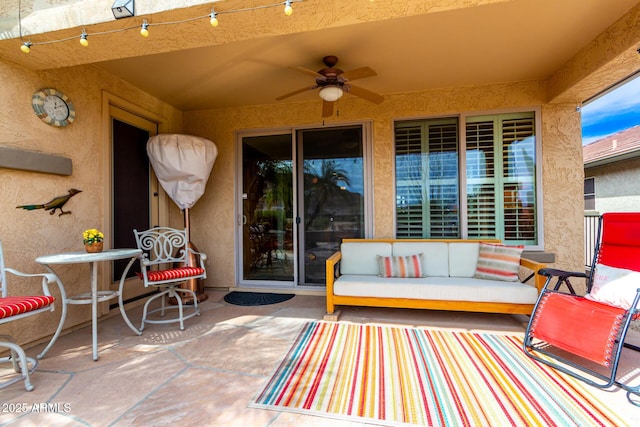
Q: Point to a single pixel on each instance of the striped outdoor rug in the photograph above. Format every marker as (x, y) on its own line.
(398, 376)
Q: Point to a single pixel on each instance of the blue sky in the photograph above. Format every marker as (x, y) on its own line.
(611, 113)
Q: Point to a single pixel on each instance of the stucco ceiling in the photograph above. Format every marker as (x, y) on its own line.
(511, 40)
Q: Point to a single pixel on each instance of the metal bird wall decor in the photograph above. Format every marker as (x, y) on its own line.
(54, 204)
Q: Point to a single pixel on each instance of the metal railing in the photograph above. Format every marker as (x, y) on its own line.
(590, 237)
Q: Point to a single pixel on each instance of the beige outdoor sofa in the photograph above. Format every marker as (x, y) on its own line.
(448, 267)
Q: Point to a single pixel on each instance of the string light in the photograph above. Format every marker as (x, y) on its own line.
(83, 39)
(144, 31)
(214, 18)
(144, 28)
(288, 10)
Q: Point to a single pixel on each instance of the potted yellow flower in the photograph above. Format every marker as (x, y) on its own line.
(93, 240)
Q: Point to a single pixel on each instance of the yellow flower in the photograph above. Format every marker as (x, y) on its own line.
(92, 235)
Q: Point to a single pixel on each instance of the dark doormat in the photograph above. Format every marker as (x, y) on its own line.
(255, 298)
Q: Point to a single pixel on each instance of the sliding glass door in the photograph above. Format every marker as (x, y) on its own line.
(267, 208)
(331, 195)
(301, 193)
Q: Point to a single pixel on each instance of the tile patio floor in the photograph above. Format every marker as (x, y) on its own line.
(207, 374)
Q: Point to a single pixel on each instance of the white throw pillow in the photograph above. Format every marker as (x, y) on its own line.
(614, 286)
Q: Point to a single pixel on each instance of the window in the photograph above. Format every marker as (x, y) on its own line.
(427, 179)
(590, 194)
(496, 178)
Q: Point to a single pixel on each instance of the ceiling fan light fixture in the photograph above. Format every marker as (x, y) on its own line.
(331, 93)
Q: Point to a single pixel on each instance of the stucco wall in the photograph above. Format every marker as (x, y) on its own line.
(563, 178)
(213, 216)
(28, 234)
(617, 186)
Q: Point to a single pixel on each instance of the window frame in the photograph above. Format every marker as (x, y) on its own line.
(462, 118)
(593, 194)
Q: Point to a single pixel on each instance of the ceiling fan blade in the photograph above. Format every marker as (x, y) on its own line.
(359, 73)
(366, 94)
(309, 72)
(327, 109)
(295, 92)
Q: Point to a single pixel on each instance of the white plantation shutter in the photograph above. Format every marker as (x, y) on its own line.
(481, 182)
(443, 180)
(500, 170)
(427, 179)
(409, 172)
(518, 185)
(500, 175)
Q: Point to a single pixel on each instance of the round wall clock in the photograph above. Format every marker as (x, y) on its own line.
(53, 107)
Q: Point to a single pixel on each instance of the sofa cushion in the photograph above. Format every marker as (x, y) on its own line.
(435, 261)
(498, 262)
(436, 288)
(463, 258)
(361, 257)
(400, 266)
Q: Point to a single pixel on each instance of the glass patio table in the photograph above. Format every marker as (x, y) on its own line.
(94, 296)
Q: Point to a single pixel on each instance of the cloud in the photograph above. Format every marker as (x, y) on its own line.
(622, 101)
(613, 112)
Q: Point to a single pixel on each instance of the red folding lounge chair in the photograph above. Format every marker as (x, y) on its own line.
(593, 326)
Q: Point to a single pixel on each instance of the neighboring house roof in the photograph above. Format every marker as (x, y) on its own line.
(616, 147)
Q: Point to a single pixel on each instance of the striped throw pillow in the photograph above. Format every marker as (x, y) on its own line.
(498, 262)
(400, 266)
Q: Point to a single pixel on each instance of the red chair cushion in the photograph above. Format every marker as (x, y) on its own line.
(174, 273)
(580, 326)
(12, 306)
(620, 243)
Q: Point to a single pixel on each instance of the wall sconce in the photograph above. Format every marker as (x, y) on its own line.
(123, 9)
(331, 93)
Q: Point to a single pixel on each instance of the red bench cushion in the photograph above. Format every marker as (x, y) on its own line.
(174, 273)
(12, 306)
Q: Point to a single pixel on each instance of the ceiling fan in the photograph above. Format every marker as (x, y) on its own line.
(333, 82)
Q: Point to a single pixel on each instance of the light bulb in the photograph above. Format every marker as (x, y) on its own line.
(214, 19)
(26, 47)
(83, 39)
(144, 31)
(288, 10)
(331, 93)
